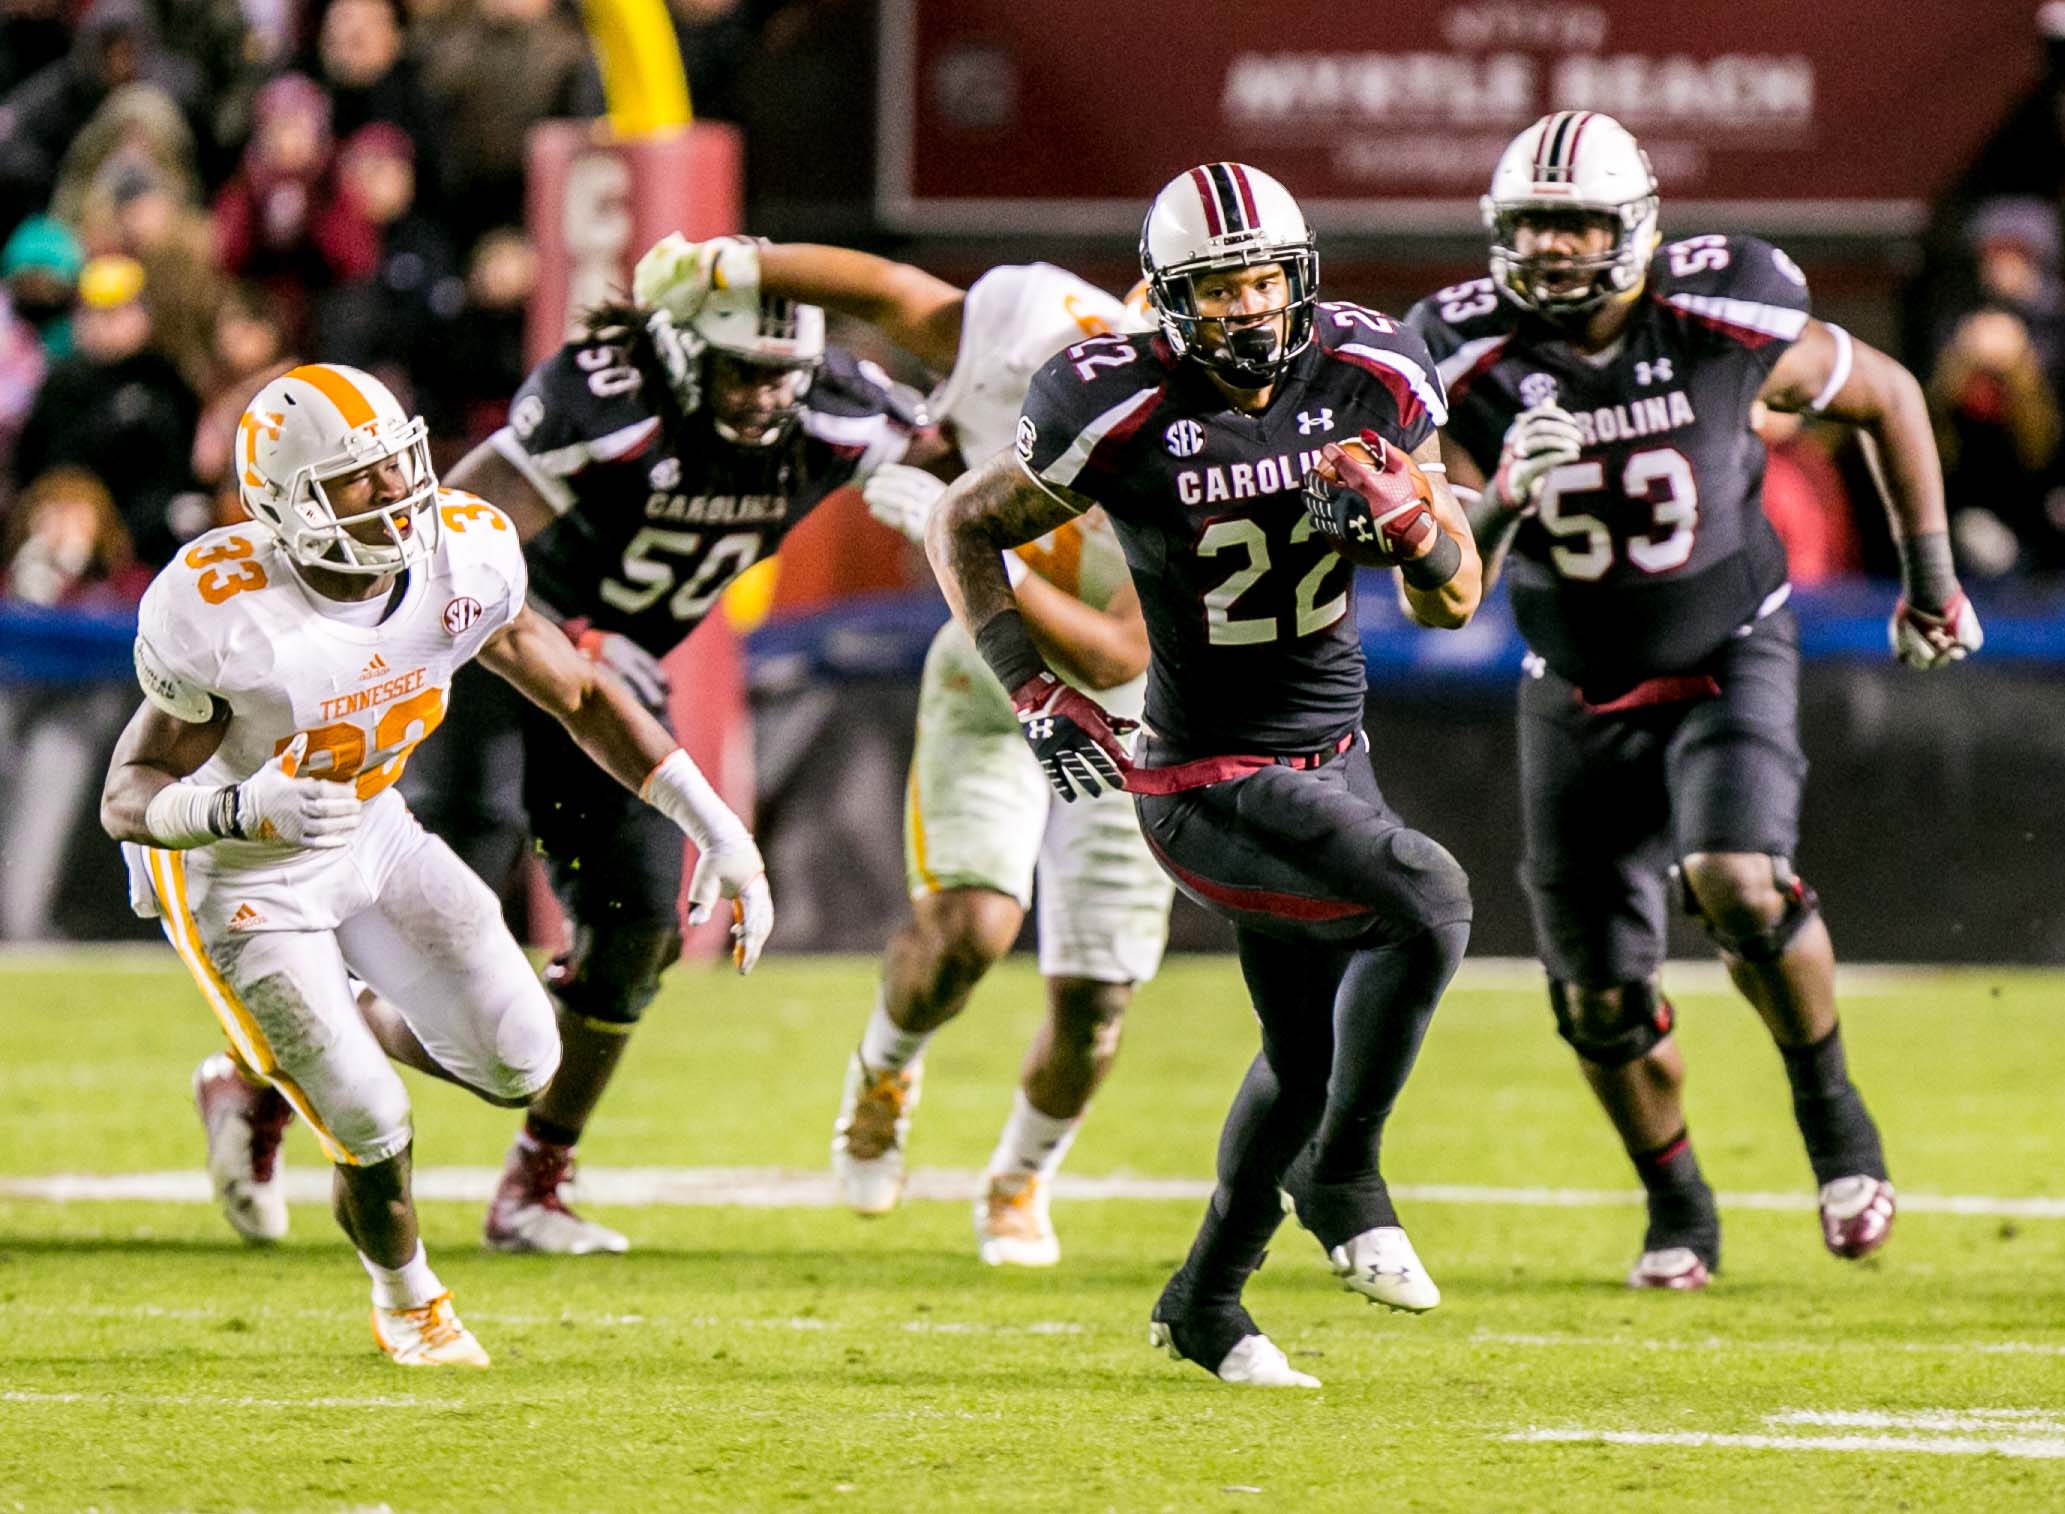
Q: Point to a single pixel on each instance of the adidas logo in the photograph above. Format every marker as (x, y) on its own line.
(374, 668)
(245, 918)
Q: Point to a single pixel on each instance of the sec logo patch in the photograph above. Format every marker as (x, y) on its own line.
(461, 613)
(1185, 438)
(1028, 433)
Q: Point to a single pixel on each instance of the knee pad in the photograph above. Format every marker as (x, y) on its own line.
(1626, 1035)
(1801, 904)
(526, 1048)
(372, 1122)
(1437, 887)
(613, 971)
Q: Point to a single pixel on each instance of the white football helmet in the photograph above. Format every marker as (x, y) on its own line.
(782, 340)
(312, 425)
(1574, 160)
(1228, 215)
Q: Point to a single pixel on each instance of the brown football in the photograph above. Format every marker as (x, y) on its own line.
(1399, 484)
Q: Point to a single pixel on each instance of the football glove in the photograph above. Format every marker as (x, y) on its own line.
(1922, 640)
(1075, 739)
(275, 804)
(732, 870)
(629, 661)
(1542, 437)
(679, 276)
(1365, 511)
(902, 498)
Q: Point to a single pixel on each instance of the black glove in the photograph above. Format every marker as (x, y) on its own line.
(1076, 741)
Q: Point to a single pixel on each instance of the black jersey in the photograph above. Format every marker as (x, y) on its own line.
(658, 514)
(1653, 548)
(1250, 615)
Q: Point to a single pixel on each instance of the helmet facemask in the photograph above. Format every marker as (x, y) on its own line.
(1561, 287)
(317, 535)
(1253, 348)
(755, 367)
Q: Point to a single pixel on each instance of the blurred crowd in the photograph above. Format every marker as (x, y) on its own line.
(195, 194)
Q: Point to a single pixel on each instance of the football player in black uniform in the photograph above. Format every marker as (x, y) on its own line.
(1602, 389)
(1254, 784)
(647, 465)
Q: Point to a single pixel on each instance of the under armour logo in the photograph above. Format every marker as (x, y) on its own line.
(1361, 527)
(1040, 729)
(1310, 421)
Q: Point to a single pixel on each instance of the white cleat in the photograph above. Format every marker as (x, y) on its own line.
(868, 1137)
(427, 1336)
(1382, 1266)
(243, 1126)
(1676, 1269)
(1012, 1226)
(1254, 1362)
(529, 1212)
(1856, 1215)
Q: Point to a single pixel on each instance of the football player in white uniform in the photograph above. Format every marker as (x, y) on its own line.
(290, 666)
(979, 819)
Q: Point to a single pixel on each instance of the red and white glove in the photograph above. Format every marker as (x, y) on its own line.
(1374, 512)
(1542, 437)
(1922, 640)
(1075, 738)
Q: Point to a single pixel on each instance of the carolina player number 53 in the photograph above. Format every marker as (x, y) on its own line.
(1660, 477)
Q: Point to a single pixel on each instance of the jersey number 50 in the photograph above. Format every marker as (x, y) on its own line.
(652, 576)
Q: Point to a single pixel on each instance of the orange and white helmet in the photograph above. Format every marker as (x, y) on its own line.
(317, 423)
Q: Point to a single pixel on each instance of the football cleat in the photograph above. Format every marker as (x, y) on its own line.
(529, 1211)
(1677, 1268)
(1856, 1215)
(1254, 1362)
(243, 1126)
(427, 1336)
(1382, 1266)
(1012, 1227)
(868, 1137)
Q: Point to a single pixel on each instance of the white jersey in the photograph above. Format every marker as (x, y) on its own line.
(230, 622)
(1013, 320)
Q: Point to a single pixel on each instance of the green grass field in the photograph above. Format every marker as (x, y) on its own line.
(748, 1358)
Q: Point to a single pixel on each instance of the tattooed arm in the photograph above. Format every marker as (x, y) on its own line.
(990, 508)
(995, 506)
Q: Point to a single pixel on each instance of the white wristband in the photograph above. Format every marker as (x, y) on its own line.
(678, 790)
(177, 816)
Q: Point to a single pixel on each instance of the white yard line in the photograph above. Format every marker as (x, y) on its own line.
(1625, 1343)
(2020, 1421)
(220, 1401)
(1693, 975)
(2038, 1449)
(788, 1188)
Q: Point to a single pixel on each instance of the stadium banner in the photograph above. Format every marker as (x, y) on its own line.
(1065, 116)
